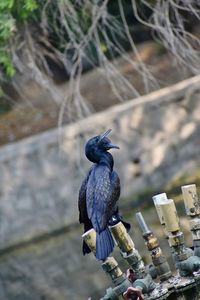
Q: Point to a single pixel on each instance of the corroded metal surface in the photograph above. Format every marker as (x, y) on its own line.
(90, 238)
(110, 266)
(122, 238)
(170, 216)
(191, 200)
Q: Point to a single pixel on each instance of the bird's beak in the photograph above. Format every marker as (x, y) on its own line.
(111, 146)
(103, 135)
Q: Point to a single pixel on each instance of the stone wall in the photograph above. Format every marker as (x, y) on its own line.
(158, 135)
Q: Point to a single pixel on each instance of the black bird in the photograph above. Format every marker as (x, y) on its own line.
(98, 195)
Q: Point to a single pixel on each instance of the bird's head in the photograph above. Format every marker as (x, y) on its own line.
(98, 145)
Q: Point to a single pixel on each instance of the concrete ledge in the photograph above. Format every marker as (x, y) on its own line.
(53, 136)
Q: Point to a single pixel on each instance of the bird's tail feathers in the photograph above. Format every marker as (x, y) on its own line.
(104, 244)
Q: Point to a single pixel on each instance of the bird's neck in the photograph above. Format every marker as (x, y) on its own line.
(107, 159)
(100, 157)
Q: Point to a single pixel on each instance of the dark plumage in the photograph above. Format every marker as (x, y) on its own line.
(98, 195)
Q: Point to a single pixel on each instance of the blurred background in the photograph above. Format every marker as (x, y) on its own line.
(70, 70)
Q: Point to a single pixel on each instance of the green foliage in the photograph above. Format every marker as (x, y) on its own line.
(12, 14)
(6, 62)
(15, 13)
(7, 24)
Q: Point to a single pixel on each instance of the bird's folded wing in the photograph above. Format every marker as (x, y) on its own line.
(99, 197)
(82, 198)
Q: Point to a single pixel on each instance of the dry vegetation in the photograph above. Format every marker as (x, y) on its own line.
(73, 34)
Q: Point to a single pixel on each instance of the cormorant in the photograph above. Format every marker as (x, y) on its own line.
(98, 195)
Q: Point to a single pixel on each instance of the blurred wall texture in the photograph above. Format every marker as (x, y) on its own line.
(40, 249)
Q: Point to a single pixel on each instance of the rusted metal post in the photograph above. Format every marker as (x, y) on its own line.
(111, 268)
(127, 248)
(158, 259)
(144, 281)
(185, 260)
(192, 207)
